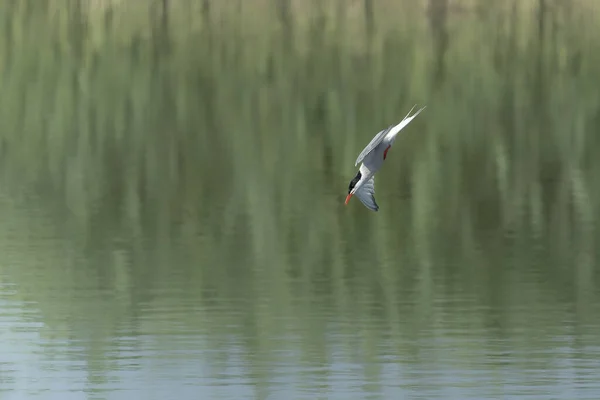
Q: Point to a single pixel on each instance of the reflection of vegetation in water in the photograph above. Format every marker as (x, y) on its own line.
(228, 147)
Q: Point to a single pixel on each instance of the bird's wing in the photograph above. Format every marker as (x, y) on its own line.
(374, 142)
(391, 136)
(366, 194)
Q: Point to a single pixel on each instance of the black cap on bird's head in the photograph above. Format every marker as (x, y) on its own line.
(352, 184)
(354, 181)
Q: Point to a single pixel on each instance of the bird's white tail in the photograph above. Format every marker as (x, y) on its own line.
(405, 121)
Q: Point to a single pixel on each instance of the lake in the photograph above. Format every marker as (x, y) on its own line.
(172, 188)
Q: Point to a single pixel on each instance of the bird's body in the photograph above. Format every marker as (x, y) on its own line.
(372, 158)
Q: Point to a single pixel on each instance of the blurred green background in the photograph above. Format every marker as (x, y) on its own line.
(172, 184)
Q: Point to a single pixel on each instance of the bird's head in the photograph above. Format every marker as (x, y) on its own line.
(352, 187)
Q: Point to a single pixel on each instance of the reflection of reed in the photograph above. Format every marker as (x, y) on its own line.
(438, 16)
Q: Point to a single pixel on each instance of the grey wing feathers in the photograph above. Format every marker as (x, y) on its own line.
(366, 194)
(374, 142)
(381, 135)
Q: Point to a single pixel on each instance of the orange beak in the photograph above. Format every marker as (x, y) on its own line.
(348, 198)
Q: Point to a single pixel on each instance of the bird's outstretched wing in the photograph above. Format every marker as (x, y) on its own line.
(391, 132)
(366, 194)
(374, 142)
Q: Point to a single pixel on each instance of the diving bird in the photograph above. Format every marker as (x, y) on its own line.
(372, 157)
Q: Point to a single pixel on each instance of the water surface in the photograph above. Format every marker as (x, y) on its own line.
(172, 217)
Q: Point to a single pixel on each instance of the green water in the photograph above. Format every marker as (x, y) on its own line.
(172, 184)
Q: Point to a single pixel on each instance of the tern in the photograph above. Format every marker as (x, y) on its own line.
(372, 157)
